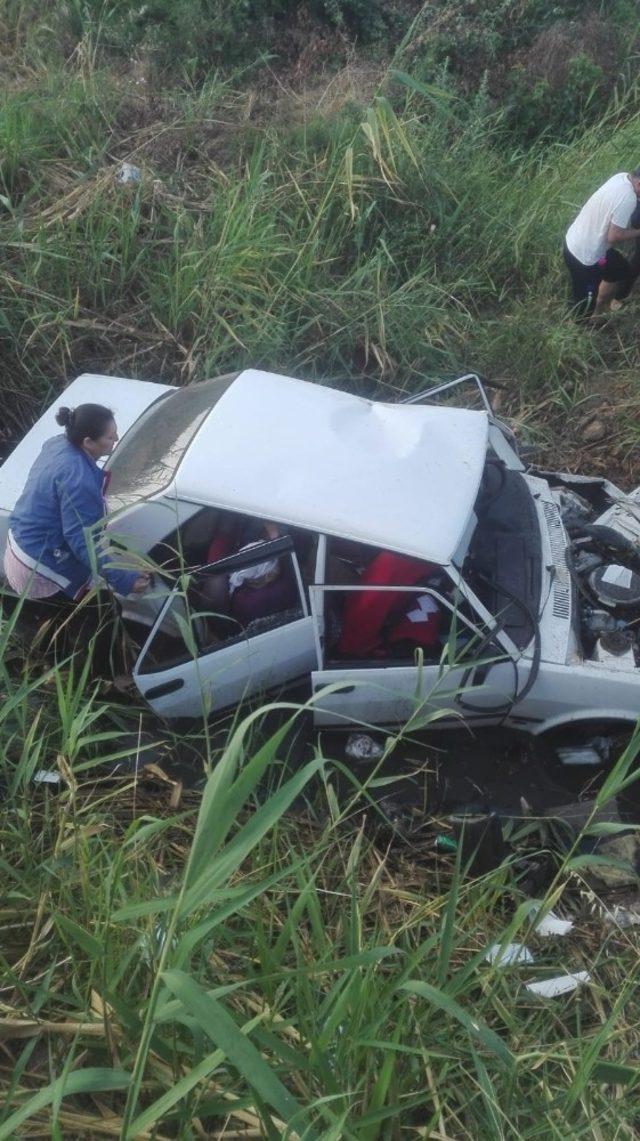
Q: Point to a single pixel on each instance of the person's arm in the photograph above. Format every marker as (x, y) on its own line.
(621, 233)
(81, 508)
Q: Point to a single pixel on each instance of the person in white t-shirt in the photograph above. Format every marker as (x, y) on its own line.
(597, 269)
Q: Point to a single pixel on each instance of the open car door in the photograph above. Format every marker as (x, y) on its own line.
(466, 677)
(205, 653)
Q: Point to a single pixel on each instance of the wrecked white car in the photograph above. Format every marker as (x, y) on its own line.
(400, 556)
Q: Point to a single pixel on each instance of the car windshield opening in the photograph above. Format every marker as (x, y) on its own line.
(504, 562)
(147, 458)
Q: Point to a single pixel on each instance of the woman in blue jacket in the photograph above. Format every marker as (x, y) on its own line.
(54, 546)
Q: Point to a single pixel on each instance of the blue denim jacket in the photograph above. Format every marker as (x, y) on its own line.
(53, 523)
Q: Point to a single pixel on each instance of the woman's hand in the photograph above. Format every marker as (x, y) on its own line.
(143, 582)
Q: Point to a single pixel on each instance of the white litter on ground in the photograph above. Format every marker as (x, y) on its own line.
(43, 776)
(362, 747)
(510, 953)
(551, 924)
(621, 916)
(561, 984)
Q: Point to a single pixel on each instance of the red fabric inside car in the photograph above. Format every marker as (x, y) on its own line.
(365, 612)
(221, 545)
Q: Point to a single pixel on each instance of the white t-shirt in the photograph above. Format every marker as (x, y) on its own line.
(614, 202)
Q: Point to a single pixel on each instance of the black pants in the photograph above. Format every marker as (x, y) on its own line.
(634, 273)
(585, 279)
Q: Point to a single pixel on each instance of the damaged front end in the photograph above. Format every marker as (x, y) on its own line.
(603, 558)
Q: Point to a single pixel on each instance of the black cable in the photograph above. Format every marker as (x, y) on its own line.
(506, 706)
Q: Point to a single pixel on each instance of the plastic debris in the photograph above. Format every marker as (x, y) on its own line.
(362, 747)
(128, 173)
(622, 916)
(561, 984)
(551, 924)
(509, 954)
(445, 843)
(397, 815)
(44, 776)
(580, 754)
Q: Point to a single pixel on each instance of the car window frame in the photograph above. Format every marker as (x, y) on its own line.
(326, 662)
(272, 548)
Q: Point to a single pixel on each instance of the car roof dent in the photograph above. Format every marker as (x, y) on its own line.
(403, 477)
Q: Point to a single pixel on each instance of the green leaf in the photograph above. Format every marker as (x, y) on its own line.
(434, 94)
(93, 1080)
(220, 1027)
(234, 902)
(478, 1030)
(145, 907)
(90, 945)
(176, 1093)
(223, 796)
(227, 861)
(615, 1073)
(593, 861)
(608, 828)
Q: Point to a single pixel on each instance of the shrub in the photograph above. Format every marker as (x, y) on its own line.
(540, 108)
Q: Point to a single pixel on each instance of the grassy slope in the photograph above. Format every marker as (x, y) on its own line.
(391, 241)
(223, 969)
(385, 239)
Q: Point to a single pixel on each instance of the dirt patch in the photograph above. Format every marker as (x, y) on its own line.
(601, 433)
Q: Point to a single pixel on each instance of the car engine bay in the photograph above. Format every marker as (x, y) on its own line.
(603, 558)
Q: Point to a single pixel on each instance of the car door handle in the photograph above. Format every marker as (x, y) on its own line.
(166, 687)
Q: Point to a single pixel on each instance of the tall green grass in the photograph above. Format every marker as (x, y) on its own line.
(259, 957)
(307, 989)
(396, 241)
(256, 959)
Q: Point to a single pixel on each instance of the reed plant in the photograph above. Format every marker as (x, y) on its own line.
(257, 959)
(397, 241)
(262, 959)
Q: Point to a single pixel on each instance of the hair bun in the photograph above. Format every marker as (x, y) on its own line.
(64, 417)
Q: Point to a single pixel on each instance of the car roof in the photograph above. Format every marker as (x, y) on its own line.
(403, 477)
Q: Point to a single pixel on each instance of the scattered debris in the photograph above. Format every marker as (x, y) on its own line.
(124, 683)
(509, 954)
(594, 432)
(551, 924)
(561, 984)
(445, 843)
(622, 916)
(176, 795)
(361, 747)
(593, 753)
(45, 776)
(398, 816)
(128, 173)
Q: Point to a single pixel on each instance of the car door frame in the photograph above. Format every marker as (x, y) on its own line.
(401, 688)
(195, 674)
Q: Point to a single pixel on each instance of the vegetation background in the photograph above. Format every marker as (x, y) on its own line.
(373, 194)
